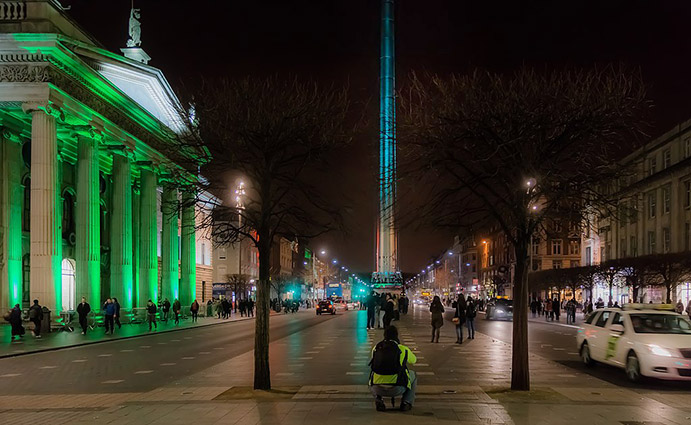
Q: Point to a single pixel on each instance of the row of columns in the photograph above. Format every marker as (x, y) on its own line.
(133, 232)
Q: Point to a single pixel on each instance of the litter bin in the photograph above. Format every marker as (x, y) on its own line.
(45, 323)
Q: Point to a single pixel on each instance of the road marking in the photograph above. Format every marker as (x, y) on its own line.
(285, 374)
(358, 364)
(545, 345)
(47, 367)
(126, 351)
(355, 373)
(144, 346)
(558, 349)
(575, 354)
(187, 337)
(297, 365)
(9, 375)
(421, 364)
(113, 381)
(174, 340)
(79, 361)
(424, 373)
(311, 352)
(162, 343)
(204, 352)
(218, 348)
(566, 375)
(188, 358)
(167, 364)
(104, 355)
(142, 372)
(304, 358)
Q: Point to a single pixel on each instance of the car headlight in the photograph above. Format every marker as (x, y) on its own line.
(659, 351)
(499, 310)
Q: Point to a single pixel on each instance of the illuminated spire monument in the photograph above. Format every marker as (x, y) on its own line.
(387, 274)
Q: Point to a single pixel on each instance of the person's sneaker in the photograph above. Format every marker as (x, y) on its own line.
(379, 403)
(405, 406)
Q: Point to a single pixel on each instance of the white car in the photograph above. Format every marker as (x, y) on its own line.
(639, 339)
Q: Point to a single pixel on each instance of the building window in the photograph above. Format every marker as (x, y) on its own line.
(652, 165)
(536, 247)
(652, 204)
(68, 202)
(557, 226)
(575, 263)
(651, 242)
(687, 193)
(634, 246)
(203, 291)
(222, 253)
(574, 248)
(666, 199)
(556, 264)
(588, 256)
(666, 240)
(633, 212)
(556, 247)
(603, 254)
(26, 206)
(622, 247)
(537, 265)
(204, 254)
(666, 158)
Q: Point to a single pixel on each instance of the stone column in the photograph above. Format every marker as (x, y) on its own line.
(121, 232)
(11, 282)
(88, 223)
(46, 235)
(148, 236)
(188, 258)
(170, 281)
(136, 242)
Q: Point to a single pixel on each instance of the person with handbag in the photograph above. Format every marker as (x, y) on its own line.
(459, 317)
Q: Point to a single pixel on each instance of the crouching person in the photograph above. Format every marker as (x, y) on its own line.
(390, 376)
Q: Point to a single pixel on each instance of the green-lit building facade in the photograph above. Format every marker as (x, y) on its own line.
(87, 205)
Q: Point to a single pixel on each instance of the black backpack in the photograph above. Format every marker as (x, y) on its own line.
(386, 360)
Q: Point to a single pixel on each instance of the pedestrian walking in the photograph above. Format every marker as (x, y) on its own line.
(250, 308)
(388, 311)
(165, 308)
(378, 306)
(548, 310)
(83, 310)
(470, 313)
(194, 311)
(117, 312)
(371, 302)
(176, 310)
(109, 312)
(437, 310)
(36, 316)
(15, 319)
(209, 307)
(459, 317)
(151, 314)
(556, 308)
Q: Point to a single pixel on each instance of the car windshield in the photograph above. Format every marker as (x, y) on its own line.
(502, 302)
(660, 324)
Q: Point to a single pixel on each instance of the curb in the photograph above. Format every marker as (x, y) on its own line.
(119, 338)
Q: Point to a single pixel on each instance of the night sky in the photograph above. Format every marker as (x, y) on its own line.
(337, 41)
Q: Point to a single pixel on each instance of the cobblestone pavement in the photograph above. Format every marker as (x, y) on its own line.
(319, 370)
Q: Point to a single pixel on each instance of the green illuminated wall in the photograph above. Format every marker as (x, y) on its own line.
(12, 223)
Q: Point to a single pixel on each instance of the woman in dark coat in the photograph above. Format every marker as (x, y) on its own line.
(459, 317)
(437, 310)
(16, 322)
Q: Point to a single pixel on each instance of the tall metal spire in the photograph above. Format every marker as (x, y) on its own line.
(387, 240)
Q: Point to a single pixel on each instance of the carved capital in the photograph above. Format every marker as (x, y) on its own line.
(49, 108)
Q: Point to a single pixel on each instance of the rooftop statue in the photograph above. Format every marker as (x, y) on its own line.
(135, 39)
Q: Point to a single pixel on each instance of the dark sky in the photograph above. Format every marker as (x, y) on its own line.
(336, 41)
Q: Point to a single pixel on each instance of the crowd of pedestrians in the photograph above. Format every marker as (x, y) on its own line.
(392, 306)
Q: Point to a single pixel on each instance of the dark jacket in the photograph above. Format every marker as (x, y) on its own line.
(437, 311)
(471, 310)
(151, 309)
(461, 307)
(117, 308)
(109, 309)
(176, 306)
(83, 309)
(166, 305)
(35, 312)
(194, 306)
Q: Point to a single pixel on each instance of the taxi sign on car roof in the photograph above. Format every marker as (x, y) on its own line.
(641, 306)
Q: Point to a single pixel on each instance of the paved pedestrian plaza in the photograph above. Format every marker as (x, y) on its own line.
(319, 374)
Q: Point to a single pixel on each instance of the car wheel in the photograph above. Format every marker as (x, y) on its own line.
(633, 367)
(585, 355)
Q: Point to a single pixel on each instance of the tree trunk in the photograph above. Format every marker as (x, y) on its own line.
(520, 368)
(668, 286)
(262, 374)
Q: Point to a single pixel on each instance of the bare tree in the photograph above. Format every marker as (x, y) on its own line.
(275, 135)
(667, 270)
(240, 283)
(510, 150)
